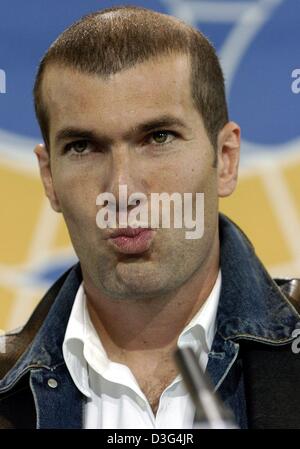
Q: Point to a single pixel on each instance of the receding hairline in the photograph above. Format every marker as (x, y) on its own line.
(121, 12)
(59, 65)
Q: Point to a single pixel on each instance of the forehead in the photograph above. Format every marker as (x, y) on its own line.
(161, 85)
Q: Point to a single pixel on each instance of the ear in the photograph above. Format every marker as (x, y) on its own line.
(228, 158)
(43, 158)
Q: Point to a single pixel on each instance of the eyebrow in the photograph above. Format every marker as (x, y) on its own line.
(162, 122)
(71, 132)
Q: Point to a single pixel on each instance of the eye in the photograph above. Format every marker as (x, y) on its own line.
(78, 147)
(162, 137)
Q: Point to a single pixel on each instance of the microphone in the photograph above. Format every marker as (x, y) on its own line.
(211, 413)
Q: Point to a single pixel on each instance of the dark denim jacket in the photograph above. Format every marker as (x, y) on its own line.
(251, 308)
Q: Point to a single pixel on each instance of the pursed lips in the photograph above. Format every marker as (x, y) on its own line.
(131, 240)
(127, 232)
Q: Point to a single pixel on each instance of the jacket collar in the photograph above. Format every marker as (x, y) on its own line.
(45, 351)
(251, 304)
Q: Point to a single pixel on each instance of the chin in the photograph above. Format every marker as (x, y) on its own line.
(140, 279)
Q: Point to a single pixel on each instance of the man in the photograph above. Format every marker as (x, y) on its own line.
(129, 97)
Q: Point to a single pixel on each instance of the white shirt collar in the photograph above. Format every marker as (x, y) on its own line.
(82, 347)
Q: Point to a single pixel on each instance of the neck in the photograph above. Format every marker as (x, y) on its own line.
(128, 325)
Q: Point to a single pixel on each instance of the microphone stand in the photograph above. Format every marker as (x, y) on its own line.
(210, 411)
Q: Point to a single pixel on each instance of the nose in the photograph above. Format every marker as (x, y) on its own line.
(125, 170)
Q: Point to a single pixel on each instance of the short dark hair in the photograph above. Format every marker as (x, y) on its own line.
(110, 40)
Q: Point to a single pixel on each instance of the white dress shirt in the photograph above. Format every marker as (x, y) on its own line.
(114, 399)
